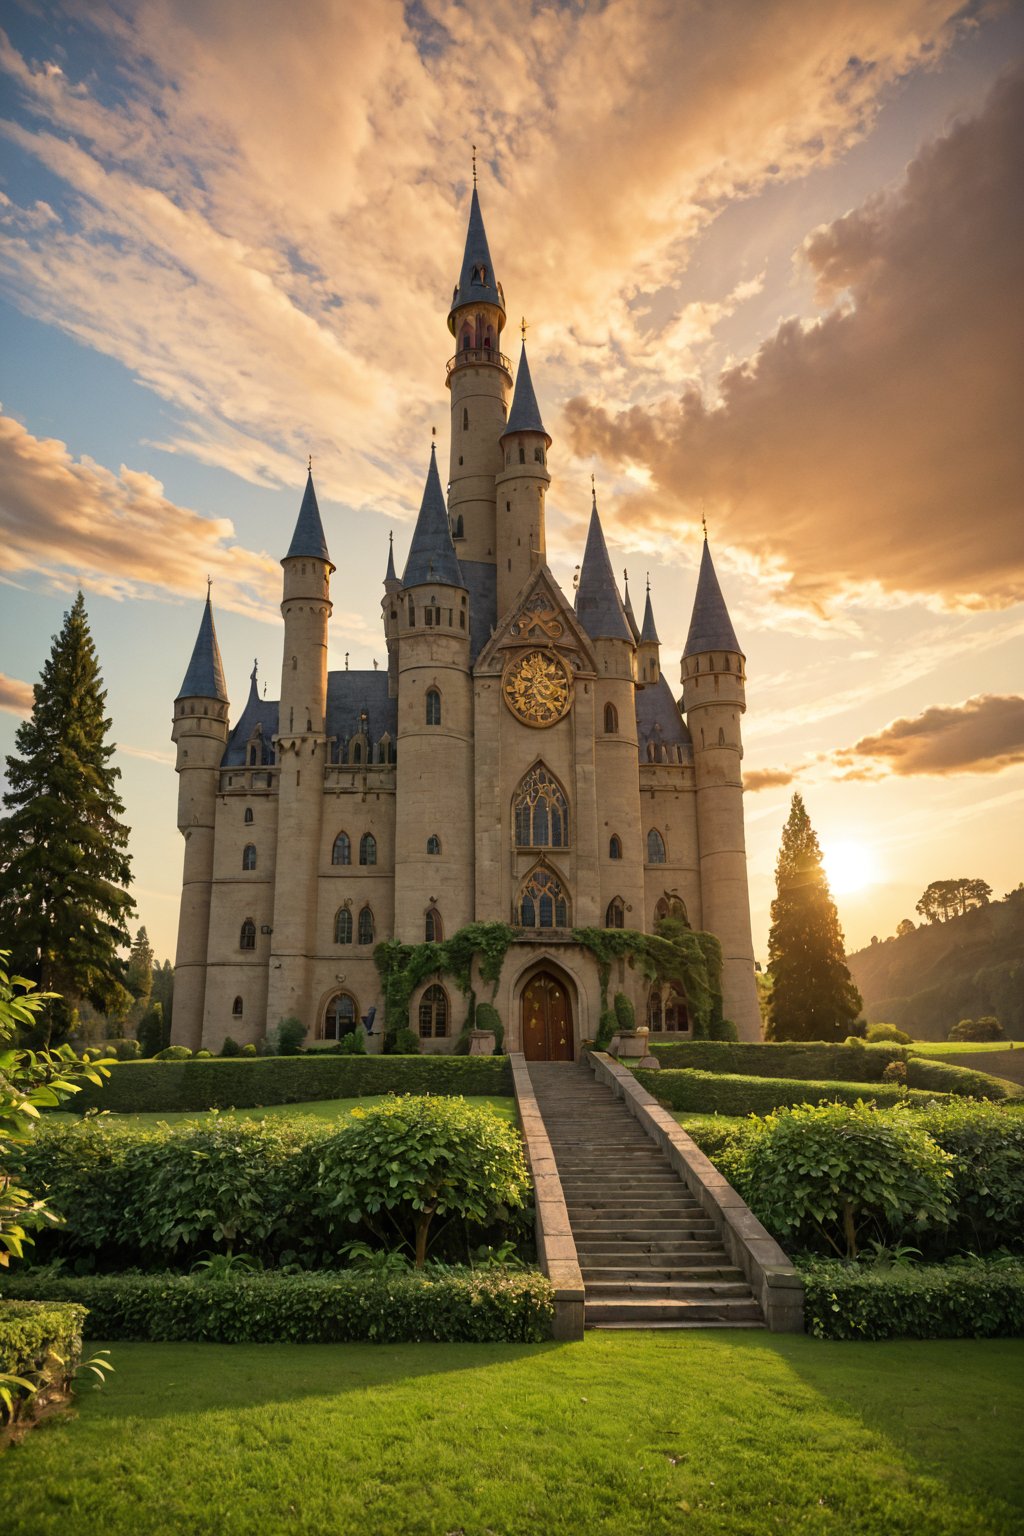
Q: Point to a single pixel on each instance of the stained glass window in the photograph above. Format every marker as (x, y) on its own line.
(541, 811)
(543, 902)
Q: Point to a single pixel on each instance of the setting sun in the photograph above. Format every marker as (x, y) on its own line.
(849, 867)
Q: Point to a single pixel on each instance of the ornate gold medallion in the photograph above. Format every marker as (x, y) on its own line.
(538, 688)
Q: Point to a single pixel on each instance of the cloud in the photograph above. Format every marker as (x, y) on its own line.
(982, 735)
(766, 778)
(16, 697)
(878, 448)
(77, 523)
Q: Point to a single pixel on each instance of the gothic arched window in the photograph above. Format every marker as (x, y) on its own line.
(543, 902)
(433, 931)
(611, 719)
(236, 1008)
(340, 1017)
(670, 906)
(341, 853)
(433, 707)
(615, 847)
(615, 916)
(541, 811)
(367, 848)
(666, 1009)
(343, 926)
(249, 856)
(366, 926)
(247, 937)
(248, 816)
(433, 844)
(434, 1013)
(655, 847)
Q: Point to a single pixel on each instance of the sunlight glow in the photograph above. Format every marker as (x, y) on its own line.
(849, 867)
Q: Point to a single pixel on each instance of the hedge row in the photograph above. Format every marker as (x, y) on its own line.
(729, 1094)
(40, 1342)
(928, 1301)
(820, 1062)
(454, 1307)
(243, 1083)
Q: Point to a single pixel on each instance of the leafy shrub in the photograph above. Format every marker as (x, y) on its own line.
(605, 1029)
(896, 1072)
(397, 1165)
(987, 1148)
(838, 1175)
(853, 1062)
(230, 1046)
(878, 1032)
(40, 1346)
(727, 1094)
(722, 1029)
(174, 1053)
(407, 1043)
(287, 1038)
(488, 1017)
(988, 1028)
(353, 1044)
(175, 1086)
(450, 1306)
(248, 1049)
(203, 1056)
(924, 1073)
(933, 1301)
(625, 1015)
(152, 1031)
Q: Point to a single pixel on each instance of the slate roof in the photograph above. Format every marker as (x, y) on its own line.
(628, 608)
(658, 719)
(598, 604)
(710, 625)
(525, 413)
(389, 574)
(649, 632)
(477, 255)
(349, 693)
(481, 582)
(308, 538)
(257, 712)
(205, 676)
(432, 556)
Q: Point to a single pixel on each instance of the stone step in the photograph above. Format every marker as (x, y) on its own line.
(647, 1326)
(667, 1290)
(584, 1233)
(670, 1251)
(622, 1210)
(658, 1273)
(641, 1312)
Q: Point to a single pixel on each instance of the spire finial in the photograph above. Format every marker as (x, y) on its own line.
(255, 664)
(523, 328)
(648, 581)
(209, 585)
(309, 466)
(593, 490)
(433, 440)
(625, 575)
(391, 537)
(346, 661)
(703, 519)
(474, 165)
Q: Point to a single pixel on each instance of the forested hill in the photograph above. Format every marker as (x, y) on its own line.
(962, 969)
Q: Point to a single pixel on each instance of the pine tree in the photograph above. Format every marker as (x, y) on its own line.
(63, 865)
(813, 996)
(140, 969)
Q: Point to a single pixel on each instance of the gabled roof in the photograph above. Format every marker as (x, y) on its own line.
(257, 712)
(598, 604)
(710, 625)
(474, 288)
(308, 539)
(649, 632)
(525, 413)
(432, 556)
(205, 676)
(658, 719)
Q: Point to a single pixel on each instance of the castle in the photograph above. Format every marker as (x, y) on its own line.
(522, 759)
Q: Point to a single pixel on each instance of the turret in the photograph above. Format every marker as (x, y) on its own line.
(200, 733)
(628, 607)
(480, 381)
(714, 698)
(521, 486)
(648, 656)
(389, 611)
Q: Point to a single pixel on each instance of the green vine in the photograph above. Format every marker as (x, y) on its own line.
(674, 953)
(404, 967)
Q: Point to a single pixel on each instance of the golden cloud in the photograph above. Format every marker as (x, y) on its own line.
(984, 734)
(766, 778)
(16, 697)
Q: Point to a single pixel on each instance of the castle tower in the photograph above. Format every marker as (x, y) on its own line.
(714, 698)
(200, 733)
(648, 656)
(522, 486)
(389, 611)
(301, 754)
(434, 776)
(616, 785)
(480, 381)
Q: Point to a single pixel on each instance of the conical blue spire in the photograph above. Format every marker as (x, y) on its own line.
(649, 633)
(477, 282)
(525, 413)
(205, 676)
(598, 605)
(432, 554)
(389, 574)
(308, 538)
(628, 607)
(710, 625)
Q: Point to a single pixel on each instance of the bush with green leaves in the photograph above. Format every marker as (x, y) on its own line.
(488, 1017)
(488, 1306)
(876, 1033)
(406, 1043)
(896, 1072)
(927, 1301)
(40, 1348)
(398, 1165)
(174, 1053)
(354, 1043)
(709, 1093)
(986, 1145)
(987, 1028)
(625, 1014)
(287, 1038)
(152, 1031)
(838, 1176)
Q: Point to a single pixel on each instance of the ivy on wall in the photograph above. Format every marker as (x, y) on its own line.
(404, 967)
(674, 953)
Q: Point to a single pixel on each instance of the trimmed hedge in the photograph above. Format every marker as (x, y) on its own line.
(454, 1307)
(818, 1062)
(40, 1341)
(729, 1094)
(928, 1301)
(237, 1082)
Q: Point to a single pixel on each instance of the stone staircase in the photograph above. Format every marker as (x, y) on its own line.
(649, 1256)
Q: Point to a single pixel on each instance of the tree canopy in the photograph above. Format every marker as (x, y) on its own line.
(813, 996)
(64, 869)
(946, 899)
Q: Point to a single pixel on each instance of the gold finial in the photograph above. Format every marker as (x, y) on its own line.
(209, 584)
(474, 165)
(523, 327)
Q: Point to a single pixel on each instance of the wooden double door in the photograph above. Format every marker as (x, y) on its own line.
(546, 1020)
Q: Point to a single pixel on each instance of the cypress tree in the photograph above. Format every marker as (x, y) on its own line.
(63, 865)
(812, 996)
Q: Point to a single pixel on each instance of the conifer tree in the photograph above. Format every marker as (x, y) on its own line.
(140, 968)
(813, 996)
(63, 865)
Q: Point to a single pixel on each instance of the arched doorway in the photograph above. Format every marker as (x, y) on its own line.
(546, 1019)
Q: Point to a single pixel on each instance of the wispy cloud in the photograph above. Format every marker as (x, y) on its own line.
(16, 697)
(982, 735)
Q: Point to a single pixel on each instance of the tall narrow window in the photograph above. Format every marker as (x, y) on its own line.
(614, 847)
(248, 816)
(340, 1017)
(433, 844)
(343, 926)
(247, 937)
(541, 811)
(611, 719)
(543, 902)
(433, 931)
(434, 1013)
(249, 856)
(367, 848)
(615, 916)
(433, 707)
(236, 1008)
(366, 926)
(465, 419)
(341, 853)
(655, 847)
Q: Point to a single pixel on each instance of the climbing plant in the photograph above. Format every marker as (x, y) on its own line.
(674, 953)
(404, 967)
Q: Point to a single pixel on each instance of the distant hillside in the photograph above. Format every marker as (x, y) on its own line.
(926, 980)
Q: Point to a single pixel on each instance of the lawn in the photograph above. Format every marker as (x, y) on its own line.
(624, 1434)
(961, 1047)
(319, 1109)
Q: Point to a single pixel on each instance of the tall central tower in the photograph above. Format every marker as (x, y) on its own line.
(480, 381)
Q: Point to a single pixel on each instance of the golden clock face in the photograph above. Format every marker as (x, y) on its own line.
(538, 688)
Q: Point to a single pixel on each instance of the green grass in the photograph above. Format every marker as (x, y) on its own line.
(621, 1435)
(318, 1109)
(960, 1047)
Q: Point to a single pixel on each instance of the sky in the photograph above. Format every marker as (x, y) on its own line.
(770, 257)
